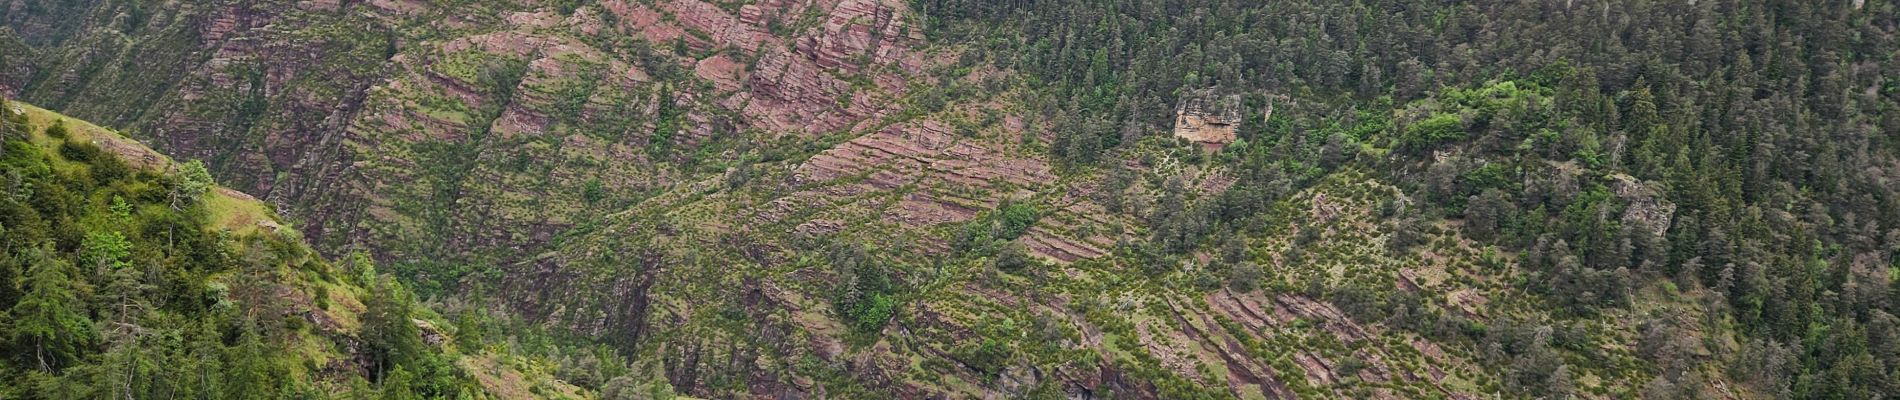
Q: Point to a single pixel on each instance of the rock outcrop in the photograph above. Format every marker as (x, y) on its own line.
(1208, 120)
(1647, 208)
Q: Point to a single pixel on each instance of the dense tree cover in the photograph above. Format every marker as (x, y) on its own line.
(866, 296)
(1742, 147)
(114, 284)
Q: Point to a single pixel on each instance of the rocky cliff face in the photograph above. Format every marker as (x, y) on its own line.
(477, 134)
(337, 110)
(1208, 120)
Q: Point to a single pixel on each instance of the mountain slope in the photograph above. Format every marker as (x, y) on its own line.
(131, 276)
(492, 125)
(955, 199)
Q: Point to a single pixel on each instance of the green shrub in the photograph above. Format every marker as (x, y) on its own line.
(1013, 258)
(1431, 132)
(58, 130)
(1015, 219)
(1245, 277)
(593, 191)
(872, 313)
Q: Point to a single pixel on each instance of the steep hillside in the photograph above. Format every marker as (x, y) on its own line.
(1061, 199)
(490, 125)
(130, 276)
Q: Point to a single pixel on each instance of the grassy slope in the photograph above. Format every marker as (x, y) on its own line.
(230, 209)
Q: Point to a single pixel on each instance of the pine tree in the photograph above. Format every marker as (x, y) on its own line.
(8, 129)
(10, 271)
(632, 387)
(253, 373)
(126, 359)
(193, 182)
(398, 385)
(391, 338)
(199, 372)
(1486, 213)
(50, 322)
(125, 370)
(105, 251)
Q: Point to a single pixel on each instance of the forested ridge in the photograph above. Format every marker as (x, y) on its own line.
(954, 199)
(1770, 127)
(143, 279)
